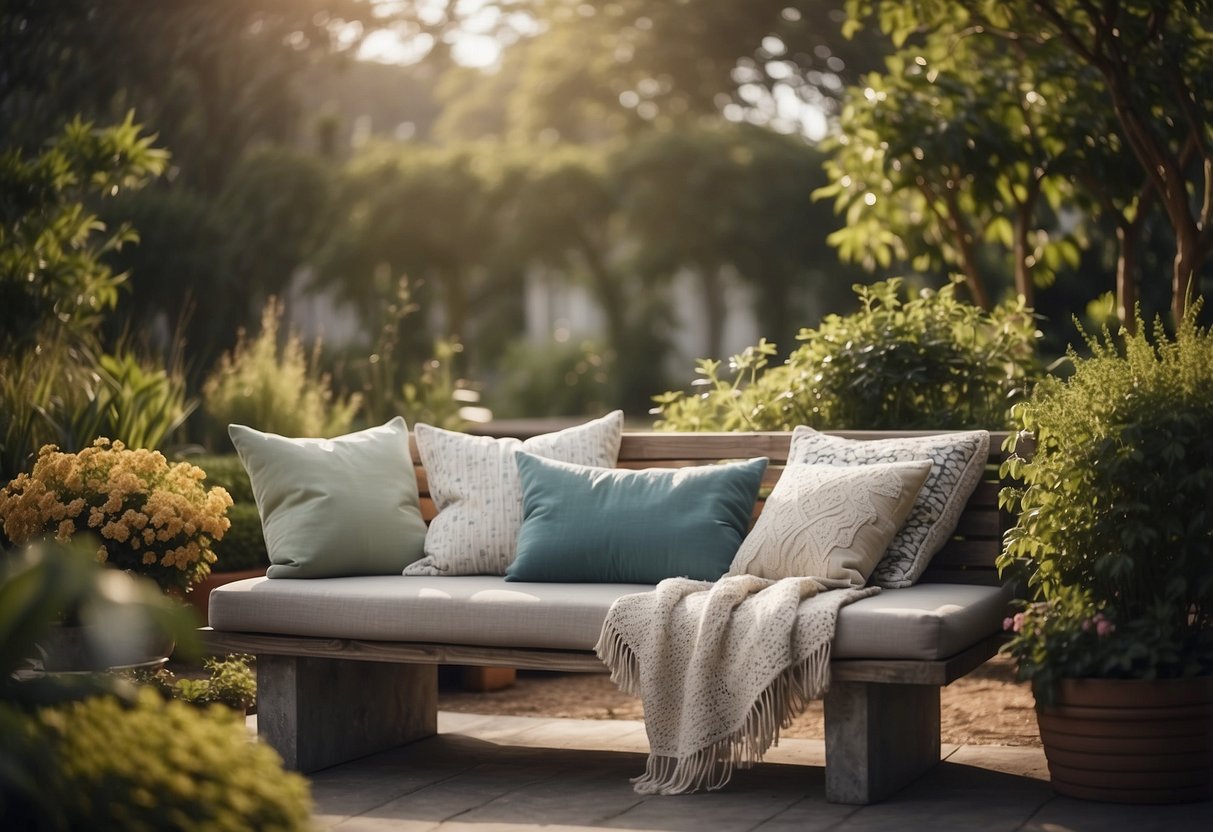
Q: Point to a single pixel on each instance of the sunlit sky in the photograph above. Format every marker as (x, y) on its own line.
(473, 45)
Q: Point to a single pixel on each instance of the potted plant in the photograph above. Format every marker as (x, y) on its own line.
(151, 517)
(1115, 535)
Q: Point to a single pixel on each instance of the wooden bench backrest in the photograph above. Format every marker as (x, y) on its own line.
(967, 558)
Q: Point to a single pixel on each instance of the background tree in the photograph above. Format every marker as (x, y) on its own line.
(215, 77)
(52, 243)
(1151, 56)
(429, 214)
(952, 152)
(731, 204)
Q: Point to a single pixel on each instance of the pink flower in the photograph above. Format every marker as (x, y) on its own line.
(1086, 625)
(1007, 623)
(1017, 622)
(1104, 627)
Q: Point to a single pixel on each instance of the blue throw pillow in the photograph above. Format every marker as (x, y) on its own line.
(607, 525)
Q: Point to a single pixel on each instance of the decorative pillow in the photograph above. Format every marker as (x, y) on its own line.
(335, 507)
(830, 521)
(958, 460)
(606, 525)
(474, 483)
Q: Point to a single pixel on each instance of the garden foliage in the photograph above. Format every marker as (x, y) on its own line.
(925, 361)
(57, 385)
(243, 547)
(275, 386)
(91, 751)
(152, 517)
(1115, 508)
(151, 765)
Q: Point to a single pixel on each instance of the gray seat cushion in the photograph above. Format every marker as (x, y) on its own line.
(925, 621)
(481, 610)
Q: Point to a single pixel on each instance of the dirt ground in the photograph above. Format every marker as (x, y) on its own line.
(987, 707)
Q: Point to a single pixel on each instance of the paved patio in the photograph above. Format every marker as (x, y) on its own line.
(486, 773)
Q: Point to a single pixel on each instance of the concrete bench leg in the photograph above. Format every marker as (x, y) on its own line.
(320, 712)
(879, 738)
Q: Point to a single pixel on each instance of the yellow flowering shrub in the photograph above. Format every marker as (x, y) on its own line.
(152, 517)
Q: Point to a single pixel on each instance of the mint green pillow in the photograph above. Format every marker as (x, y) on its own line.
(335, 507)
(607, 525)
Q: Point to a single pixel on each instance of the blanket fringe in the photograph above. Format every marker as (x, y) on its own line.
(616, 655)
(712, 767)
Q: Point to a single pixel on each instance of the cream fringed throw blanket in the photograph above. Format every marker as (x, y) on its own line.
(721, 667)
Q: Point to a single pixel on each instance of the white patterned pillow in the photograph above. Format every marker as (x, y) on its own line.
(830, 521)
(475, 486)
(958, 461)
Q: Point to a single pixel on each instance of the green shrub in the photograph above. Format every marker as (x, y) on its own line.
(243, 546)
(226, 471)
(273, 388)
(555, 379)
(929, 361)
(1115, 512)
(53, 274)
(156, 765)
(69, 395)
(231, 683)
(437, 397)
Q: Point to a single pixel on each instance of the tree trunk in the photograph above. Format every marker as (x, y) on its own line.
(609, 292)
(1128, 235)
(1187, 261)
(1024, 285)
(715, 309)
(963, 237)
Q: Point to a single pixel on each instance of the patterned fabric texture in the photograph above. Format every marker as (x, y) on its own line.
(958, 460)
(721, 668)
(474, 484)
(830, 521)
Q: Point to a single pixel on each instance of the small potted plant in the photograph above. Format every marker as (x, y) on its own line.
(1115, 538)
(151, 517)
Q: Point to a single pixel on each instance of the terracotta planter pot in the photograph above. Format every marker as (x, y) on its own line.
(1129, 740)
(199, 597)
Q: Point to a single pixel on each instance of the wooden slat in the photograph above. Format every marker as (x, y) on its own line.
(986, 494)
(908, 672)
(979, 523)
(967, 553)
(707, 447)
(973, 576)
(398, 651)
(897, 671)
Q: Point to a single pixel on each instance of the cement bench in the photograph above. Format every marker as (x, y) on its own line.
(348, 666)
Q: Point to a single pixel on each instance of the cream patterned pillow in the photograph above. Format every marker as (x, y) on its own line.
(475, 486)
(830, 521)
(958, 461)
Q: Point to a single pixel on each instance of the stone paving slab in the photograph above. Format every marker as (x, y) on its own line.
(506, 774)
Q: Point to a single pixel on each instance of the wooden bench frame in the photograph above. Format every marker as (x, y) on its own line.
(325, 701)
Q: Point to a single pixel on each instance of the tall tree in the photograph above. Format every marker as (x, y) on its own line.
(1152, 58)
(950, 151)
(430, 215)
(213, 77)
(731, 203)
